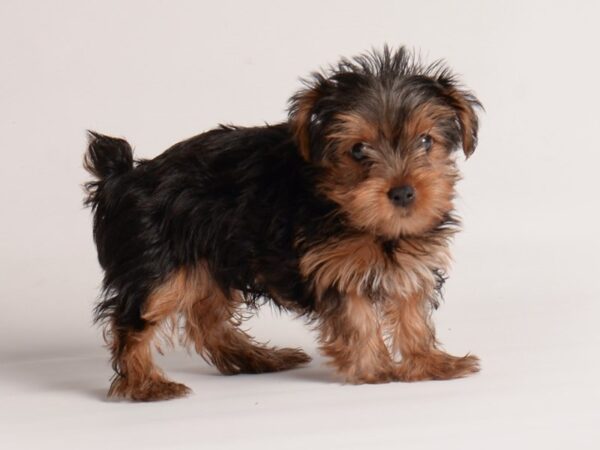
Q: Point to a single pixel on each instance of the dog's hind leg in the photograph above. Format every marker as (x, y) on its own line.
(212, 326)
(137, 377)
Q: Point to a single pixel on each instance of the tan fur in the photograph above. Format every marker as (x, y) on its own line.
(352, 338)
(358, 264)
(370, 207)
(467, 118)
(301, 121)
(348, 264)
(363, 196)
(403, 281)
(351, 128)
(413, 337)
(211, 326)
(423, 121)
(138, 377)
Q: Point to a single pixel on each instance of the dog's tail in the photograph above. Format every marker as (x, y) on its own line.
(106, 158)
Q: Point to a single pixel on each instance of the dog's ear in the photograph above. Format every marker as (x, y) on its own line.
(466, 105)
(304, 114)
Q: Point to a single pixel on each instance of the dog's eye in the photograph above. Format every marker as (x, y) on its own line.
(358, 151)
(425, 142)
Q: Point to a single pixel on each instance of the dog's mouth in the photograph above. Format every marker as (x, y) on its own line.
(412, 221)
(404, 213)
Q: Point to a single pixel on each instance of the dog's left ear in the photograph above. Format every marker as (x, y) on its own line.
(465, 104)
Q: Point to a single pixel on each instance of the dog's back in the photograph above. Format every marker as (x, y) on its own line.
(209, 197)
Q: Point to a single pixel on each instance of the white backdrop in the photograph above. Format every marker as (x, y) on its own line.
(523, 294)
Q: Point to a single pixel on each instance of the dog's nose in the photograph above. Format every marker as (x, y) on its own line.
(402, 196)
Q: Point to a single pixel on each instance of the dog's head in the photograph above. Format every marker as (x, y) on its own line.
(383, 128)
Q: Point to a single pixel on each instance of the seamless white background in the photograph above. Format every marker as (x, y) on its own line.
(524, 292)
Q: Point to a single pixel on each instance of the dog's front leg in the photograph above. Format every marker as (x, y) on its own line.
(412, 334)
(350, 335)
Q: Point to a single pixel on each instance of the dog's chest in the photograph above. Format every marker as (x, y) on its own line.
(364, 265)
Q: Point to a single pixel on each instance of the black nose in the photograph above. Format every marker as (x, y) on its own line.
(402, 196)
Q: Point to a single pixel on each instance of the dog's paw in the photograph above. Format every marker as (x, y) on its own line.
(379, 377)
(274, 360)
(258, 359)
(148, 390)
(436, 366)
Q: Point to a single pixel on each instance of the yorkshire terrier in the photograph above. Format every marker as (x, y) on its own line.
(342, 214)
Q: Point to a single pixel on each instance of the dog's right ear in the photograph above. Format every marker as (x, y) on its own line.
(304, 114)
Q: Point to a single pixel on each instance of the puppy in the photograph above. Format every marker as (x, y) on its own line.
(342, 214)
